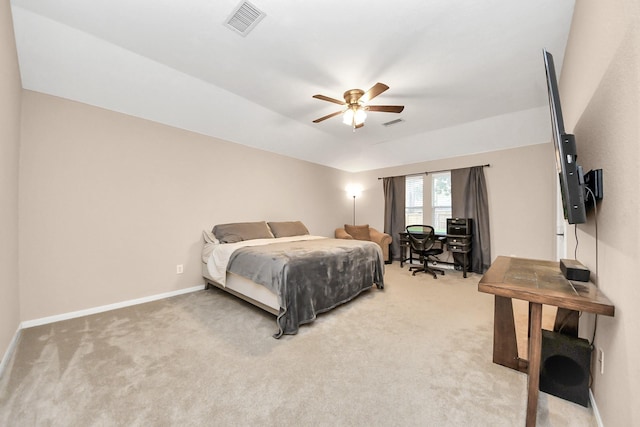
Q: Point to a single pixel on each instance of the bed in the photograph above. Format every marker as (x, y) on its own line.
(281, 268)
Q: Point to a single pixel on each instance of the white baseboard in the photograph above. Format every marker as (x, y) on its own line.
(596, 413)
(108, 307)
(10, 350)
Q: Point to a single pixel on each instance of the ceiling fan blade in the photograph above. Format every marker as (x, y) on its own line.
(376, 90)
(386, 108)
(326, 98)
(328, 116)
(359, 126)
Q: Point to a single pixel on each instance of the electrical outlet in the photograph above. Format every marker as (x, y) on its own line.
(601, 360)
(179, 269)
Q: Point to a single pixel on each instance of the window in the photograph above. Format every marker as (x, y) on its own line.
(413, 205)
(441, 200)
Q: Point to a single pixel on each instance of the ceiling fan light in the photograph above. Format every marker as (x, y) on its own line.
(354, 116)
(360, 116)
(347, 117)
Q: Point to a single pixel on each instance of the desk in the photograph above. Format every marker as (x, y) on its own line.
(538, 282)
(451, 241)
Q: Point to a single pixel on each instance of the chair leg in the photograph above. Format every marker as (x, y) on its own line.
(434, 272)
(435, 269)
(417, 270)
(425, 268)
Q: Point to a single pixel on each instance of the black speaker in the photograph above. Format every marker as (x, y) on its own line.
(564, 368)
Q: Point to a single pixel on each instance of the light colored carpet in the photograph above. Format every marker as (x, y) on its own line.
(417, 353)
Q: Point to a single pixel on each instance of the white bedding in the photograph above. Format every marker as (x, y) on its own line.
(216, 255)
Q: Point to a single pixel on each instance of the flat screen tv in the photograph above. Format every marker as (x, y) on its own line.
(569, 172)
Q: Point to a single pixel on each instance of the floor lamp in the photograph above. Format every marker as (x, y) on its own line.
(354, 191)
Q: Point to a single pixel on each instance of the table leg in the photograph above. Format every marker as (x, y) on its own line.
(535, 350)
(464, 267)
(505, 345)
(567, 322)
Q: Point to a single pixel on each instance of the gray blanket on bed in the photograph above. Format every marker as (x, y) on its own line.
(310, 276)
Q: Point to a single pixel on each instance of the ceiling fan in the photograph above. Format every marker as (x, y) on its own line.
(356, 105)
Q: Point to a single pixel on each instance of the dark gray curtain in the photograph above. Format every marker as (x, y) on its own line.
(394, 195)
(469, 200)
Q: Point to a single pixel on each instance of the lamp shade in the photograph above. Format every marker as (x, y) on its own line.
(354, 190)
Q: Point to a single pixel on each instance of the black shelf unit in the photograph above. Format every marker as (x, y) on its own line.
(459, 240)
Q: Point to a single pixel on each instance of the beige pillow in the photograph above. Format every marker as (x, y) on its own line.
(288, 228)
(359, 232)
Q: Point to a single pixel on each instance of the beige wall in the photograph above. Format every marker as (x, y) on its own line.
(11, 89)
(110, 204)
(600, 92)
(521, 190)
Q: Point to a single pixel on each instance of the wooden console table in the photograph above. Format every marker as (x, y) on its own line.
(538, 282)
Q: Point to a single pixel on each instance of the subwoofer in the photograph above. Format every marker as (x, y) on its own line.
(564, 368)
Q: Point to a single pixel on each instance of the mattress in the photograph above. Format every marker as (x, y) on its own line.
(243, 287)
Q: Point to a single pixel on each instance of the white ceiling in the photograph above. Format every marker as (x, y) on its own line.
(470, 73)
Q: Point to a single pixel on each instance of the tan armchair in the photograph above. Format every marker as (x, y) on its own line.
(364, 232)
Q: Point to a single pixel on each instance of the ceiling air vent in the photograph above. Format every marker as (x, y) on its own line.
(244, 18)
(392, 122)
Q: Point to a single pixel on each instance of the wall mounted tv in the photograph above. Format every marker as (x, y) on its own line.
(569, 172)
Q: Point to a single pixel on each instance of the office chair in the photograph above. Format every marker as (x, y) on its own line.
(422, 239)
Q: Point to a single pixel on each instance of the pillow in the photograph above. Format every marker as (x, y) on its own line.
(288, 228)
(208, 237)
(239, 231)
(359, 232)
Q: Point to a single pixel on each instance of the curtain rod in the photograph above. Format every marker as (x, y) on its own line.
(443, 170)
